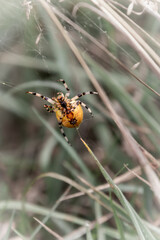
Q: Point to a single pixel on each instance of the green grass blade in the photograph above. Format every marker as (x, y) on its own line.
(7, 235)
(142, 231)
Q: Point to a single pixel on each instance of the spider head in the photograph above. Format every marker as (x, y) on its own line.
(62, 101)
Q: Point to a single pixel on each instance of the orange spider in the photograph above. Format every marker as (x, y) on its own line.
(69, 112)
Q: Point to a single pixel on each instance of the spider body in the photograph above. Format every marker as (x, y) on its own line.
(69, 112)
(72, 118)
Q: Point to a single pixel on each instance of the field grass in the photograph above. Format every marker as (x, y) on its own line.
(106, 186)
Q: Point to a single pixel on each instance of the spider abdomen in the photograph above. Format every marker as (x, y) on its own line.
(72, 119)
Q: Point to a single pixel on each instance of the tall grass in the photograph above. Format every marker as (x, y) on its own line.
(112, 168)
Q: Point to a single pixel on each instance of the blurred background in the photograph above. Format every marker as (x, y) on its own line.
(118, 41)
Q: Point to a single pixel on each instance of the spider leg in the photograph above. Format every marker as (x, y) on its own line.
(82, 94)
(66, 87)
(43, 97)
(49, 108)
(84, 105)
(63, 133)
(60, 93)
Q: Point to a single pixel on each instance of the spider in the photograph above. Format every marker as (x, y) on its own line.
(69, 112)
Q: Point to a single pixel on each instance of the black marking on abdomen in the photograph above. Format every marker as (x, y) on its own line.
(73, 121)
